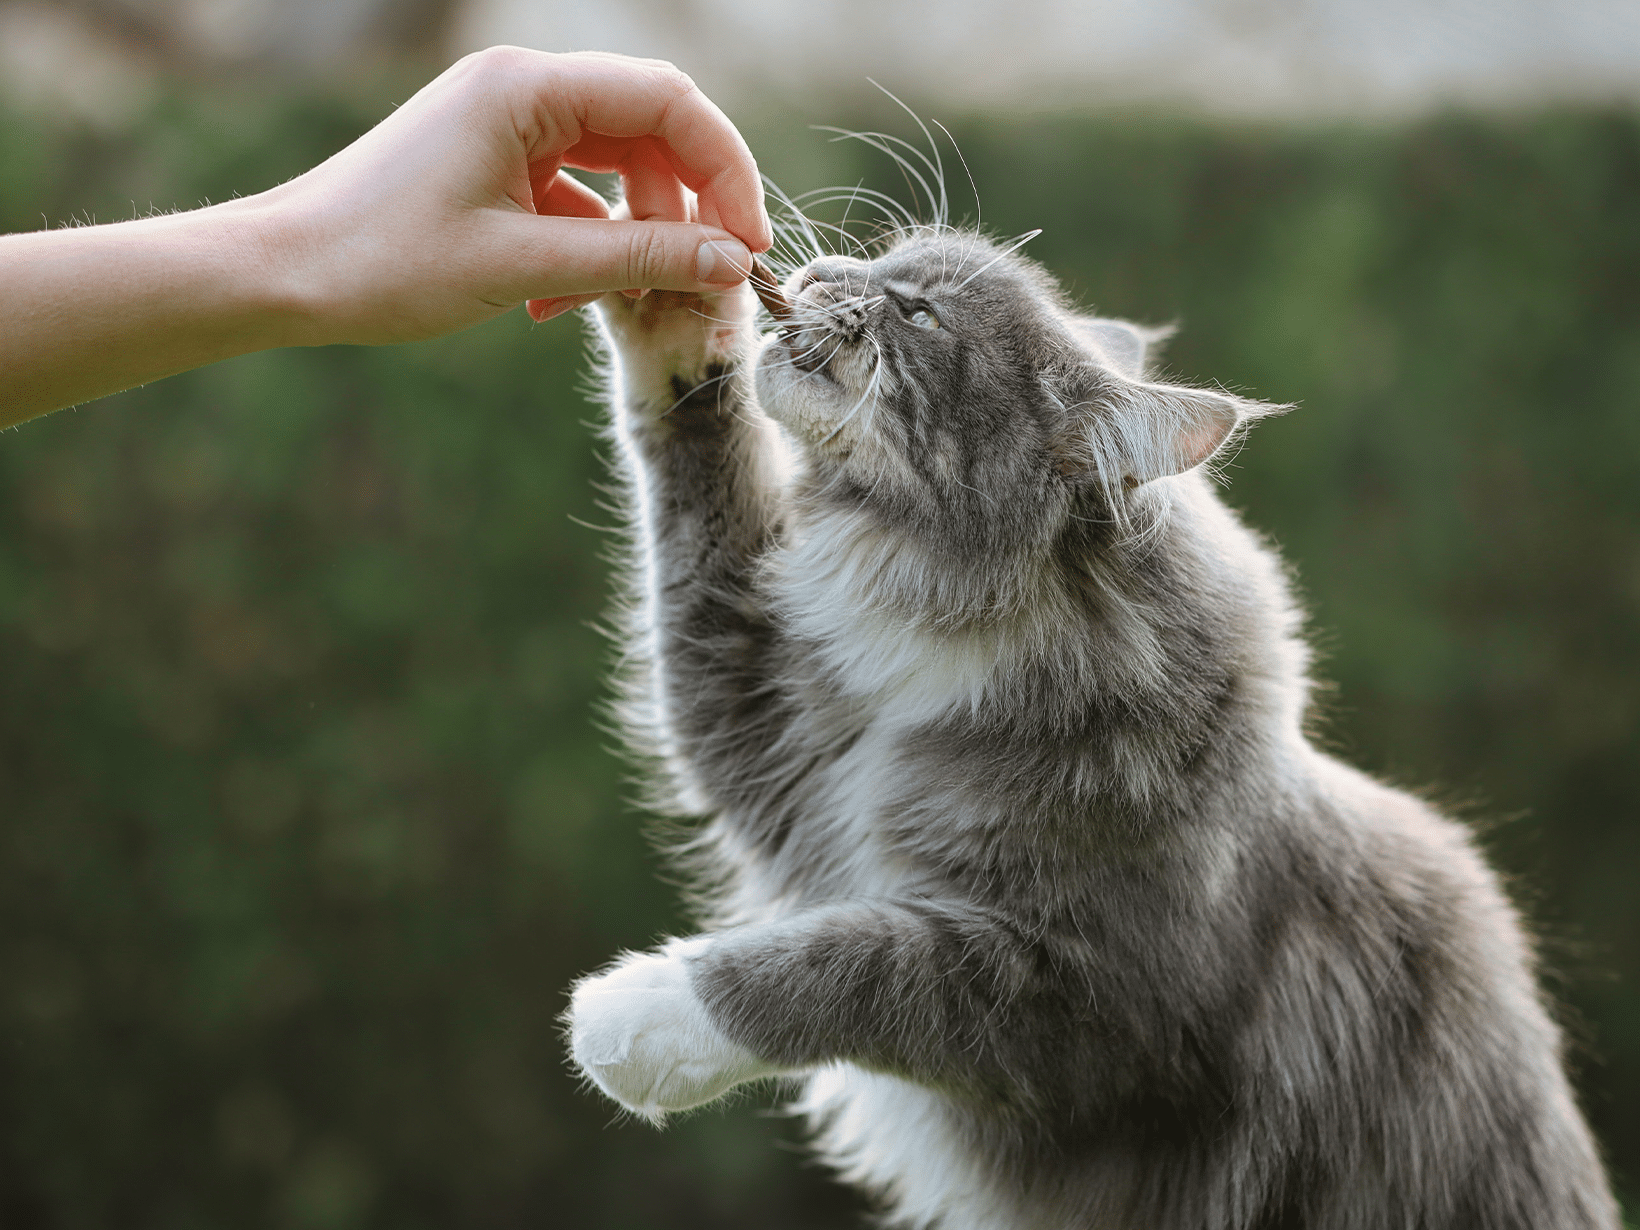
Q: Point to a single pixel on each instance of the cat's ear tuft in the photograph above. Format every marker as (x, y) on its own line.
(1129, 432)
(1119, 345)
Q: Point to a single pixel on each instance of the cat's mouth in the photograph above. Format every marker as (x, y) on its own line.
(811, 350)
(809, 380)
(819, 373)
(827, 333)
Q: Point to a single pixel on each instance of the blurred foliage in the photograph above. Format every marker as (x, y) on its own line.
(306, 818)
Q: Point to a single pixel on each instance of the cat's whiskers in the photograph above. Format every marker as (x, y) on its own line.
(728, 322)
(896, 213)
(869, 395)
(924, 172)
(800, 357)
(918, 167)
(851, 196)
(979, 212)
(794, 211)
(1014, 245)
(717, 379)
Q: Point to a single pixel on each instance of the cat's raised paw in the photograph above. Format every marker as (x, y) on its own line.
(670, 339)
(641, 1034)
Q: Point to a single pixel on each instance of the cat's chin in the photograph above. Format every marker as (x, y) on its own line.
(810, 404)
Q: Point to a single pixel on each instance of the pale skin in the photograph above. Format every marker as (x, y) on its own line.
(452, 210)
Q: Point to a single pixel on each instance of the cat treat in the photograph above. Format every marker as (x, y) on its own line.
(768, 291)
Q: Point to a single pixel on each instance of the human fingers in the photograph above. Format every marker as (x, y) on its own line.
(567, 197)
(564, 257)
(706, 212)
(542, 310)
(621, 209)
(602, 102)
(653, 192)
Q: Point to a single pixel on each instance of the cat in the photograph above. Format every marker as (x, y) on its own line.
(1017, 854)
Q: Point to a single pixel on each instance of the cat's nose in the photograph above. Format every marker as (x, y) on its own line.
(833, 270)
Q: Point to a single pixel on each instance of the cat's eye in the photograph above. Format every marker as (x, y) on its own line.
(924, 319)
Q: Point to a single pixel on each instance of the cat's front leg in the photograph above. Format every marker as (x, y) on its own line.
(641, 1034)
(937, 993)
(703, 464)
(668, 344)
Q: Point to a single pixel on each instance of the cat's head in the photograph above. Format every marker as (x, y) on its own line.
(948, 384)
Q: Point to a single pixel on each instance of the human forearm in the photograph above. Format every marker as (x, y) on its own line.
(87, 311)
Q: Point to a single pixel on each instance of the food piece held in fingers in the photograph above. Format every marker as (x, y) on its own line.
(768, 291)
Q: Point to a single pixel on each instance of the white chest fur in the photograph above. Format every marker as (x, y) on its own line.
(882, 679)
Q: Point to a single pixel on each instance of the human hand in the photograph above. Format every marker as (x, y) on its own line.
(452, 210)
(456, 207)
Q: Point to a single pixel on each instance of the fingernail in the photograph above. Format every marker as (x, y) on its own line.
(722, 262)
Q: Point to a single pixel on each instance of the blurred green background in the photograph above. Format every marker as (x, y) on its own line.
(306, 815)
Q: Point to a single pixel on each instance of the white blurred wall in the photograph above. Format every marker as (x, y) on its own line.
(1265, 57)
(1250, 57)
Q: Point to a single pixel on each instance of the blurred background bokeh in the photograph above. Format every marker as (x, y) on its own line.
(306, 814)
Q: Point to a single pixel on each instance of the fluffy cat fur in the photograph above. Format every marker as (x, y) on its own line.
(1017, 853)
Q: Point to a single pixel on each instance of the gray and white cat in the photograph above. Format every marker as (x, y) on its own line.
(1017, 853)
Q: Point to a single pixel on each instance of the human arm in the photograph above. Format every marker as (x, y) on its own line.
(452, 210)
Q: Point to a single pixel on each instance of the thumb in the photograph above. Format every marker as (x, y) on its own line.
(580, 256)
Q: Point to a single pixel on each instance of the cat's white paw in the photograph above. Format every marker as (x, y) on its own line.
(669, 342)
(641, 1034)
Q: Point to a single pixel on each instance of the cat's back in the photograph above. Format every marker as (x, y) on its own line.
(1399, 1013)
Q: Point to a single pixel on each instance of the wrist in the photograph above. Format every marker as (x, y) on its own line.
(271, 275)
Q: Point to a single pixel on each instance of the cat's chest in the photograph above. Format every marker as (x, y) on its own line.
(884, 698)
(843, 849)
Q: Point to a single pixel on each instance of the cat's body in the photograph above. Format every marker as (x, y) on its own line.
(1016, 848)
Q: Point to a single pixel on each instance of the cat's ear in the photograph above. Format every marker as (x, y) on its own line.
(1124, 432)
(1120, 345)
